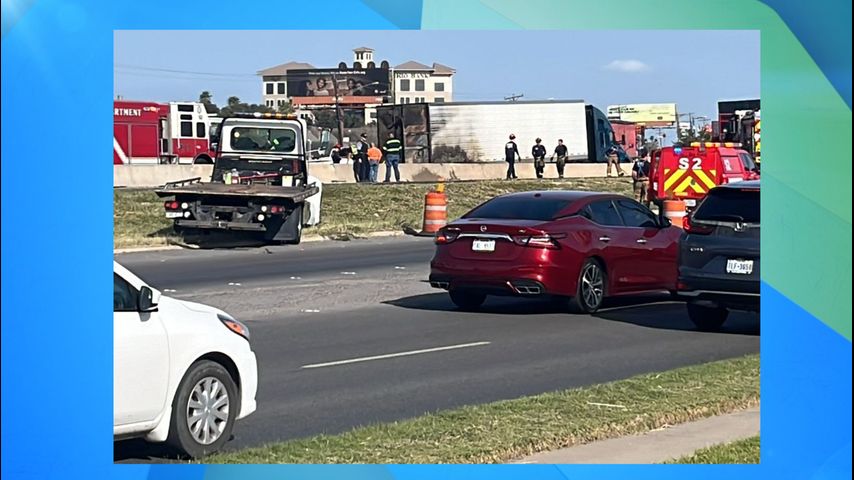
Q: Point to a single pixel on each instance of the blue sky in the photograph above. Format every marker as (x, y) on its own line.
(694, 69)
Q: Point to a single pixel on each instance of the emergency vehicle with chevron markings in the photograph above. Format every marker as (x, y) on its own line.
(687, 173)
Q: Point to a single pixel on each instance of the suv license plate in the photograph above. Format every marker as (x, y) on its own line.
(483, 245)
(741, 267)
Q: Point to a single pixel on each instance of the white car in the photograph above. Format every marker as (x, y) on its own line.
(183, 372)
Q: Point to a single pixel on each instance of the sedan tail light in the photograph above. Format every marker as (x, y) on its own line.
(446, 235)
(538, 241)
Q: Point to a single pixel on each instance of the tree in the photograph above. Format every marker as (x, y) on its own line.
(206, 99)
(686, 136)
(234, 105)
(286, 108)
(325, 118)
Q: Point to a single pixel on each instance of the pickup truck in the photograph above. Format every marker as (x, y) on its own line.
(260, 182)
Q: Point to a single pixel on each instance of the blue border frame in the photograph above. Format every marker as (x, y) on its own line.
(61, 52)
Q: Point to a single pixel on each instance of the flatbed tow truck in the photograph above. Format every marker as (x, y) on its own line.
(260, 182)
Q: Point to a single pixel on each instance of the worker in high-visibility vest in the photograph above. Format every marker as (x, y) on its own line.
(392, 148)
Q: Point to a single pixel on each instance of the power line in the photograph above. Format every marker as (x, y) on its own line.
(185, 72)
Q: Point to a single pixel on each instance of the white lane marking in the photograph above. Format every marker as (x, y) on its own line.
(310, 311)
(348, 273)
(394, 355)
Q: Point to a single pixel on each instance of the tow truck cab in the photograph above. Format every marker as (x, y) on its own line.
(687, 173)
(260, 182)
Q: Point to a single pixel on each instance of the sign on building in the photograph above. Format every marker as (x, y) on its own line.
(370, 82)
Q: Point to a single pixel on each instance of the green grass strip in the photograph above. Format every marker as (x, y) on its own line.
(741, 451)
(348, 210)
(511, 429)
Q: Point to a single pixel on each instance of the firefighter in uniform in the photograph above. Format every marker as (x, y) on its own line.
(511, 151)
(613, 154)
(640, 179)
(539, 154)
(392, 148)
(560, 153)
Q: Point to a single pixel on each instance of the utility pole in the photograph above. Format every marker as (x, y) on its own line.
(514, 97)
(338, 109)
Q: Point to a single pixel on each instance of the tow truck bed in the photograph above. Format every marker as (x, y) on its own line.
(186, 187)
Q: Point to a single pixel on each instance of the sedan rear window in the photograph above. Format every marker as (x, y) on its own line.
(519, 208)
(730, 205)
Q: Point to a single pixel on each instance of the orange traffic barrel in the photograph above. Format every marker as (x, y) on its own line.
(675, 211)
(435, 210)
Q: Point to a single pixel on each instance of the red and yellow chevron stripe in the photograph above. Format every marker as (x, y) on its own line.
(682, 183)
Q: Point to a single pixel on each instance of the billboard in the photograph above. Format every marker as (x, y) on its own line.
(648, 114)
(364, 82)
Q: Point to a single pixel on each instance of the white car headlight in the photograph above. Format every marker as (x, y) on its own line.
(234, 325)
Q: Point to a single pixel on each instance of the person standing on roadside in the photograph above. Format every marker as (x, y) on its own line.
(640, 179)
(539, 154)
(560, 153)
(336, 154)
(365, 166)
(392, 148)
(356, 161)
(613, 154)
(375, 156)
(511, 151)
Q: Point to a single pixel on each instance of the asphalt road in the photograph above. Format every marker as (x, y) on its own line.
(320, 313)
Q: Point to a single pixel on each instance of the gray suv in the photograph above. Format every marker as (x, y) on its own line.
(719, 255)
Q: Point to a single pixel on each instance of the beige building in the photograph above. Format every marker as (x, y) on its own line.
(274, 87)
(417, 83)
(411, 82)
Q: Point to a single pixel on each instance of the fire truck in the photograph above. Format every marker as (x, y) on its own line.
(150, 133)
(739, 121)
(687, 173)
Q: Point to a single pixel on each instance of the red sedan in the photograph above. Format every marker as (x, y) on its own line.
(574, 246)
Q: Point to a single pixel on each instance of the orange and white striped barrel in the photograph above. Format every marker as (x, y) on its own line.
(675, 211)
(435, 211)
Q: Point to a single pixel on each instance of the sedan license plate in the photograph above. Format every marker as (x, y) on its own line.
(741, 267)
(174, 214)
(483, 245)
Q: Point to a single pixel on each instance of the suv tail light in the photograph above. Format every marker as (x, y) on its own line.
(446, 235)
(538, 241)
(693, 228)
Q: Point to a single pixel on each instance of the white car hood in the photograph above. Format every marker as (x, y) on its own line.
(175, 306)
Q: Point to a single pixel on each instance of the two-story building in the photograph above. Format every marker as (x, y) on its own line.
(364, 85)
(418, 83)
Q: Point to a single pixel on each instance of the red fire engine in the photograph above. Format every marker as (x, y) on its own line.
(157, 133)
(687, 173)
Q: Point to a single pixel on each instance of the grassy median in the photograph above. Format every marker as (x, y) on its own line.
(741, 451)
(511, 429)
(348, 210)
